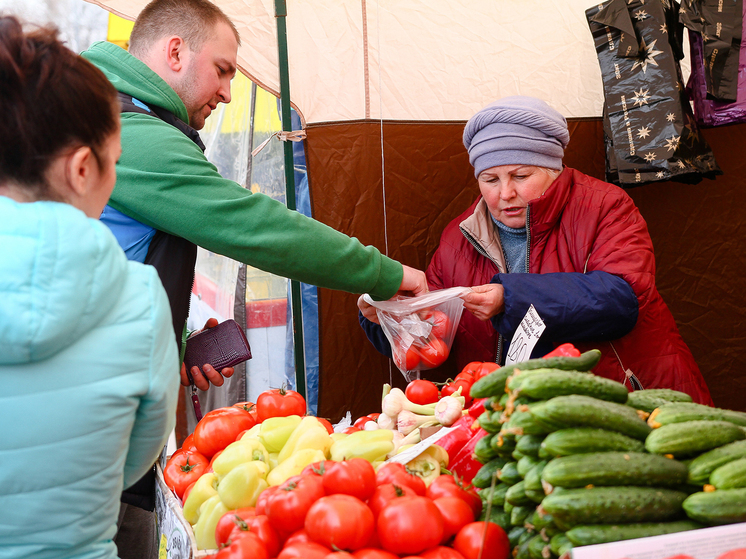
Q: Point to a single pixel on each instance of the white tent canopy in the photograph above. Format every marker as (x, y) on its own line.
(416, 59)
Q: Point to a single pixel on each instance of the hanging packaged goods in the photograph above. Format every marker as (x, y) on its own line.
(651, 134)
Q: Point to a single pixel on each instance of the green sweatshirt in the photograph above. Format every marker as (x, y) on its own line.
(165, 181)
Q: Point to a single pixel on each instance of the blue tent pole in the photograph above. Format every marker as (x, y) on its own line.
(282, 49)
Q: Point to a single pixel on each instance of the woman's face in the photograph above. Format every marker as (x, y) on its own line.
(507, 190)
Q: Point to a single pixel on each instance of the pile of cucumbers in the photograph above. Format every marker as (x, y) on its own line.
(574, 459)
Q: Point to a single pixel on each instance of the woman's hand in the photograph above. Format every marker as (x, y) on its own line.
(485, 301)
(208, 375)
(368, 310)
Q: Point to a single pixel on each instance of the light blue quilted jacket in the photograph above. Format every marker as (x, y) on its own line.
(88, 380)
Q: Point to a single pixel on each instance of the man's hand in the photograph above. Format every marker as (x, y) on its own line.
(414, 282)
(208, 374)
(368, 310)
(485, 301)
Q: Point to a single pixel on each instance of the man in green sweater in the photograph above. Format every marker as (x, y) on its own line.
(169, 198)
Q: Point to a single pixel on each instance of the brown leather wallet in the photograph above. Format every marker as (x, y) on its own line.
(224, 345)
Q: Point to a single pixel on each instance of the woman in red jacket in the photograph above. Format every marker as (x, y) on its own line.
(574, 247)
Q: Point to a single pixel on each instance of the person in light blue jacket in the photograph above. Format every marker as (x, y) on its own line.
(88, 361)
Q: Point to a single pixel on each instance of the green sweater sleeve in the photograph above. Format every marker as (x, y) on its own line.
(165, 181)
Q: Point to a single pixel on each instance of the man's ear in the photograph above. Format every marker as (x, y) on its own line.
(175, 51)
(80, 171)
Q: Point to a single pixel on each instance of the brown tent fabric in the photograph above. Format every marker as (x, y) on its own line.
(697, 232)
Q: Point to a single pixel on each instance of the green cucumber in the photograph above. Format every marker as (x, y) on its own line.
(560, 544)
(526, 464)
(482, 450)
(494, 495)
(592, 534)
(692, 437)
(493, 403)
(584, 411)
(523, 422)
(486, 423)
(516, 495)
(725, 506)
(702, 466)
(730, 476)
(540, 520)
(609, 505)
(497, 516)
(581, 440)
(549, 384)
(515, 533)
(509, 473)
(483, 478)
(494, 383)
(520, 513)
(503, 444)
(648, 400)
(536, 547)
(614, 468)
(507, 507)
(529, 445)
(680, 412)
(532, 480)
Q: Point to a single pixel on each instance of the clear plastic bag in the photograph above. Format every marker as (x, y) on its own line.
(421, 329)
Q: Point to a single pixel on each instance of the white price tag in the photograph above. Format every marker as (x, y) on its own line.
(420, 447)
(526, 335)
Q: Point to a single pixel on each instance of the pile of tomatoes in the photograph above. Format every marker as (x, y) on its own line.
(219, 428)
(337, 510)
(422, 391)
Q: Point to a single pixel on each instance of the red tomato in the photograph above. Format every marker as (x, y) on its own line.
(469, 541)
(441, 552)
(361, 421)
(396, 473)
(564, 350)
(288, 506)
(279, 402)
(466, 376)
(188, 444)
(354, 477)
(301, 536)
(374, 416)
(410, 525)
(386, 493)
(456, 514)
(259, 526)
(264, 497)
(230, 520)
(219, 428)
(340, 555)
(422, 391)
(307, 550)
(327, 424)
(317, 468)
(351, 429)
(340, 522)
(734, 554)
(451, 387)
(440, 321)
(182, 470)
(248, 545)
(370, 553)
(406, 360)
(249, 407)
(447, 486)
(433, 353)
(486, 368)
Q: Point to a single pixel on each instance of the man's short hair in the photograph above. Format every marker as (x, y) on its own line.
(192, 20)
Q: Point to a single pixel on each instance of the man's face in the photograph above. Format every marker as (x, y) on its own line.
(207, 75)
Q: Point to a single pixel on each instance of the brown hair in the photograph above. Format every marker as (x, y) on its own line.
(192, 20)
(52, 99)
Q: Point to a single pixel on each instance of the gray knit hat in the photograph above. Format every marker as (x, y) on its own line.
(516, 130)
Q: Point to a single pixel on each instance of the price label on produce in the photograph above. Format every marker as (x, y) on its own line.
(420, 447)
(526, 335)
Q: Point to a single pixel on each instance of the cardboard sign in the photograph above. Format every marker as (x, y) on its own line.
(526, 335)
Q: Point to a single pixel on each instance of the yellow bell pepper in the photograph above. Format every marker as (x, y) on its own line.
(275, 431)
(309, 433)
(244, 450)
(439, 453)
(294, 465)
(425, 466)
(338, 437)
(243, 484)
(273, 460)
(204, 488)
(371, 445)
(204, 530)
(252, 433)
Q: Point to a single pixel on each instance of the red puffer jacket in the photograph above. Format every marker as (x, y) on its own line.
(580, 224)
